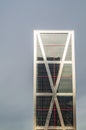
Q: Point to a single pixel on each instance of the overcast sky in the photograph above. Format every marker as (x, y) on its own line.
(18, 19)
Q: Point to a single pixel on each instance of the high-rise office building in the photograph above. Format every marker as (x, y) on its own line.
(54, 81)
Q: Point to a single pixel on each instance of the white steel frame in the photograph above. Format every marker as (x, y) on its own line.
(70, 34)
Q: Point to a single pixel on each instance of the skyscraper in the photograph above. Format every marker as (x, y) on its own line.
(54, 80)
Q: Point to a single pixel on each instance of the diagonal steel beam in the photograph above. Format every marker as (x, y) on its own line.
(45, 62)
(62, 62)
(59, 112)
(49, 114)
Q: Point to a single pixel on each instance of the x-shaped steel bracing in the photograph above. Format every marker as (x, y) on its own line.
(54, 87)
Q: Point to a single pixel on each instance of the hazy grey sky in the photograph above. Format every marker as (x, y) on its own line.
(18, 19)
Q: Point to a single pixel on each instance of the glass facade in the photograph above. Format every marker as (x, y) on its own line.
(54, 80)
